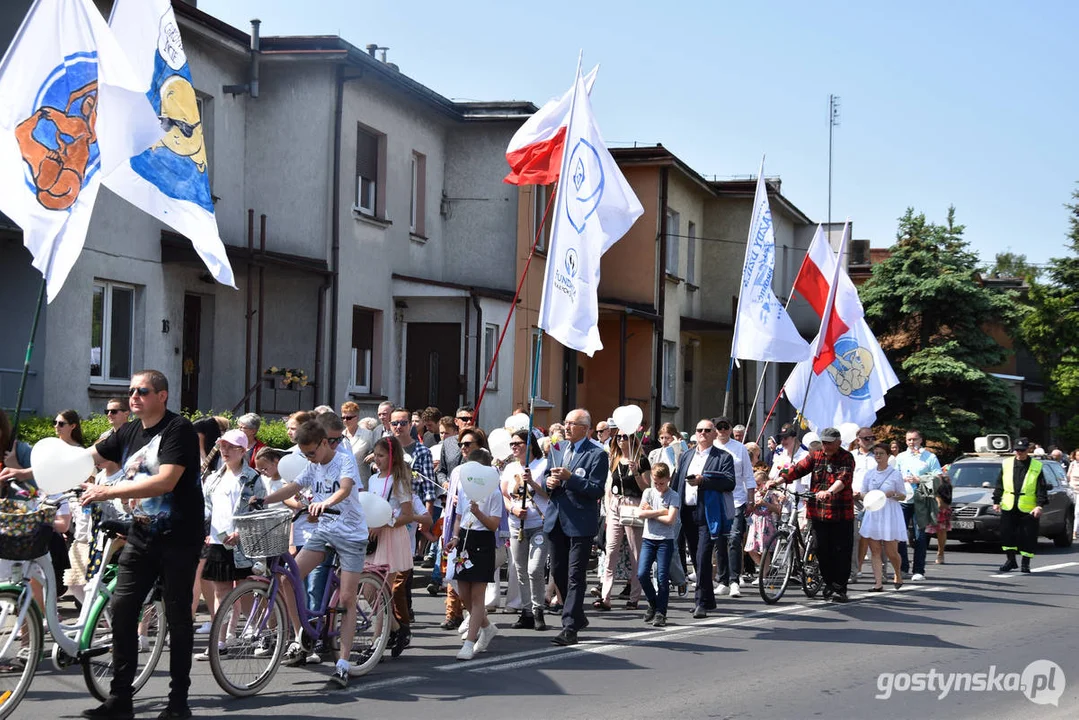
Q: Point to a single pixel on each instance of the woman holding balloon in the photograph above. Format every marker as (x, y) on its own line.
(393, 483)
(479, 512)
(883, 525)
(629, 477)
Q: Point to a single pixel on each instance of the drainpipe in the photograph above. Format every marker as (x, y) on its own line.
(249, 310)
(479, 338)
(335, 251)
(464, 390)
(259, 367)
(657, 406)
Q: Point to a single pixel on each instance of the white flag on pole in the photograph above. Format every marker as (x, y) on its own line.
(71, 111)
(170, 180)
(594, 208)
(851, 388)
(762, 329)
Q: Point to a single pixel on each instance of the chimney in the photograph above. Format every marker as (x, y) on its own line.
(371, 49)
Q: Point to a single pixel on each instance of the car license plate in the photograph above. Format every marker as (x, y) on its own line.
(963, 524)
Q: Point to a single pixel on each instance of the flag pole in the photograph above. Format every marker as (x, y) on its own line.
(532, 396)
(760, 385)
(513, 303)
(26, 364)
(727, 393)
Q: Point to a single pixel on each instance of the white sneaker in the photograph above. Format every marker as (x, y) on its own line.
(462, 629)
(735, 591)
(917, 576)
(487, 634)
(203, 629)
(467, 651)
(722, 589)
(144, 644)
(692, 577)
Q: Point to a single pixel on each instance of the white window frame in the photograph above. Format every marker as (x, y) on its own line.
(669, 396)
(691, 253)
(353, 382)
(490, 342)
(673, 223)
(367, 188)
(414, 200)
(541, 195)
(107, 287)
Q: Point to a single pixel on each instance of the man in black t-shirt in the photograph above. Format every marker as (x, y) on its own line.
(160, 459)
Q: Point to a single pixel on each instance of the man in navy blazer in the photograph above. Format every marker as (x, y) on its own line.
(704, 469)
(575, 487)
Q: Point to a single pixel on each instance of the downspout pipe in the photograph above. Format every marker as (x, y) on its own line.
(479, 338)
(330, 389)
(463, 395)
(661, 296)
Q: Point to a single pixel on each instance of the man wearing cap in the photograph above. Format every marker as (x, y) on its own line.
(729, 547)
(1019, 497)
(832, 509)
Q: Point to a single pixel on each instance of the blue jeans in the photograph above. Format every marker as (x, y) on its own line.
(316, 581)
(659, 552)
(921, 542)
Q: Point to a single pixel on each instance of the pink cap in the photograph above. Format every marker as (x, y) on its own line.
(234, 437)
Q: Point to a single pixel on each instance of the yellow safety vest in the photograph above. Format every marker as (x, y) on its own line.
(1028, 496)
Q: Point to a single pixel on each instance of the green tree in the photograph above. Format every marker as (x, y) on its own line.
(931, 316)
(1051, 331)
(1009, 264)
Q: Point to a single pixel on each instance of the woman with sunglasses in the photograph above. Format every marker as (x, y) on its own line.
(629, 477)
(525, 499)
(468, 440)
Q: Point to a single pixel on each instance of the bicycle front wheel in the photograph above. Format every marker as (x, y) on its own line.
(373, 619)
(20, 650)
(256, 629)
(97, 666)
(811, 577)
(777, 564)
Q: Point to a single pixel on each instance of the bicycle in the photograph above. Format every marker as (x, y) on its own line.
(88, 641)
(249, 662)
(790, 551)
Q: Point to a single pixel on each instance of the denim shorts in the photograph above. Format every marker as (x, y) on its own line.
(350, 553)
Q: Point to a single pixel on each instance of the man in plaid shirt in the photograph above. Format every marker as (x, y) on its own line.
(832, 509)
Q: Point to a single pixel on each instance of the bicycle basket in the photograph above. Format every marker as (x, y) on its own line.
(264, 533)
(24, 532)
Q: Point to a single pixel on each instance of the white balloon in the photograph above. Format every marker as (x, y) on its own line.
(809, 438)
(848, 431)
(478, 481)
(290, 466)
(499, 442)
(59, 467)
(517, 422)
(376, 510)
(628, 418)
(874, 500)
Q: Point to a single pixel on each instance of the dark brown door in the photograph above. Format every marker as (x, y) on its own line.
(433, 366)
(189, 387)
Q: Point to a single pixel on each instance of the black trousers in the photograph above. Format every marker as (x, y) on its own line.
(139, 569)
(835, 543)
(705, 594)
(569, 563)
(687, 538)
(729, 550)
(1019, 531)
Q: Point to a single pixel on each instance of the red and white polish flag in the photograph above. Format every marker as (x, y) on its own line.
(535, 150)
(815, 282)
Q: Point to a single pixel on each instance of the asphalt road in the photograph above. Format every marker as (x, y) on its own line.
(798, 659)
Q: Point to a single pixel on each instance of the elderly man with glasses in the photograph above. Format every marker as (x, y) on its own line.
(729, 546)
(705, 483)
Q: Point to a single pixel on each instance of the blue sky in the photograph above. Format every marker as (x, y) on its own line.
(967, 103)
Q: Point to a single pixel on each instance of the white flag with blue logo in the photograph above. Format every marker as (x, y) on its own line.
(762, 329)
(70, 113)
(594, 208)
(170, 180)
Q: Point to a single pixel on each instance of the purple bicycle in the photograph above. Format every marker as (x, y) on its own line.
(254, 621)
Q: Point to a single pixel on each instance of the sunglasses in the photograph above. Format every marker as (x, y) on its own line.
(309, 455)
(705, 431)
(867, 437)
(464, 418)
(516, 443)
(186, 129)
(140, 391)
(335, 441)
(348, 417)
(466, 443)
(113, 411)
(620, 437)
(723, 426)
(59, 423)
(399, 423)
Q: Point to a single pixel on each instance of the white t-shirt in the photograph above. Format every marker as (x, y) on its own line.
(863, 461)
(783, 460)
(536, 505)
(324, 481)
(223, 498)
(696, 467)
(743, 470)
(492, 506)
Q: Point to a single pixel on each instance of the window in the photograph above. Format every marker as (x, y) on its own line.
(370, 159)
(490, 343)
(418, 202)
(672, 243)
(206, 119)
(691, 253)
(112, 330)
(541, 195)
(363, 345)
(670, 369)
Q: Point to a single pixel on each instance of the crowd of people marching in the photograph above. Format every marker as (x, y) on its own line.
(660, 512)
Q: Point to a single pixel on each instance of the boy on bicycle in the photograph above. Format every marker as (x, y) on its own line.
(332, 478)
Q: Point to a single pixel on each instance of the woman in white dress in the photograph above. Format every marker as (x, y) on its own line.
(884, 528)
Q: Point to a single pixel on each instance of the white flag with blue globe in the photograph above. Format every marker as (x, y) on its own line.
(594, 208)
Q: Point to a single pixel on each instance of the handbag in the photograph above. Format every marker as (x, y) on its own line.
(628, 515)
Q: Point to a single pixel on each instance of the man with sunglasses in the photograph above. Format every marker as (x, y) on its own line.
(729, 547)
(160, 458)
(118, 412)
(705, 483)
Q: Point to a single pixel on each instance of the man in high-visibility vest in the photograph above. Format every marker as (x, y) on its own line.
(1019, 496)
